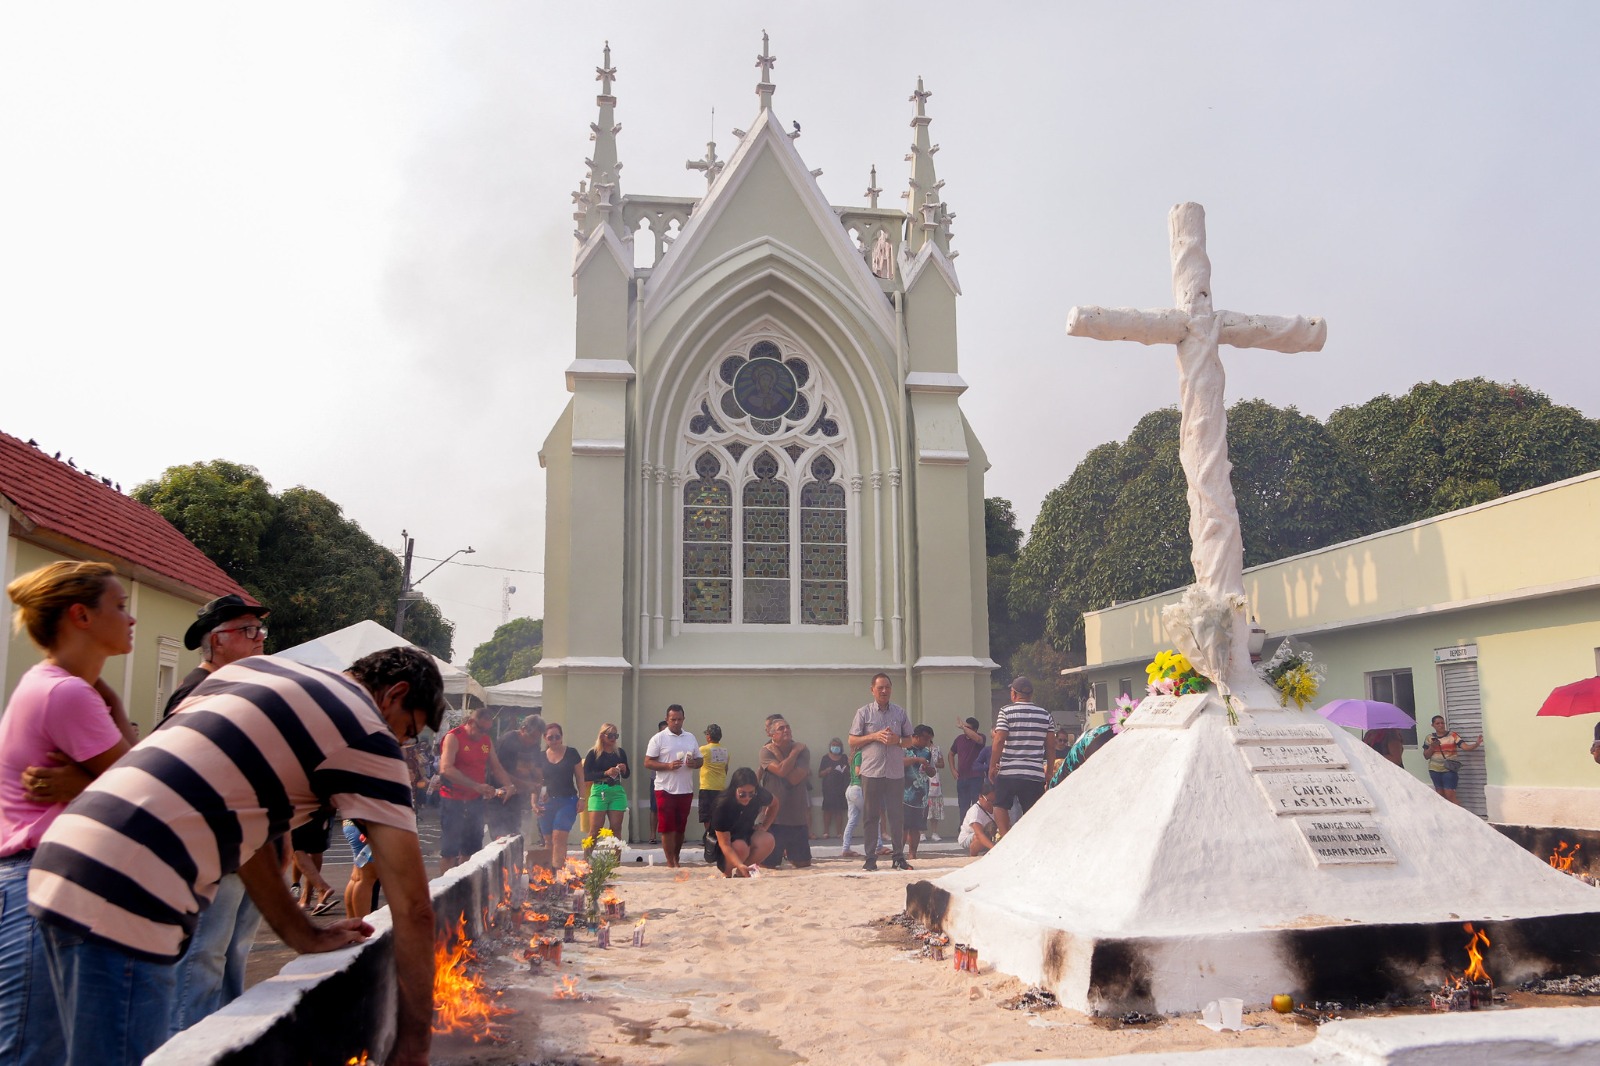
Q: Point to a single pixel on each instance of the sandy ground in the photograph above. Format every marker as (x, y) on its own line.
(795, 966)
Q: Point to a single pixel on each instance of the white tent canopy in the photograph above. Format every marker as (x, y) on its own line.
(525, 692)
(337, 650)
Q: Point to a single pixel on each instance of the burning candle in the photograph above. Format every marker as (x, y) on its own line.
(602, 935)
(570, 930)
(638, 934)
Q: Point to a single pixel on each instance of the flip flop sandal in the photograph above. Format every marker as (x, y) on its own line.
(327, 904)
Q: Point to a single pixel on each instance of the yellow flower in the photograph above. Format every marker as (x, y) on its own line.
(606, 832)
(588, 842)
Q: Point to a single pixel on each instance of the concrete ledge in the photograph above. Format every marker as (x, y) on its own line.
(1545, 1036)
(329, 1008)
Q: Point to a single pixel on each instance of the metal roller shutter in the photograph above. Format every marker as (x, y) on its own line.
(1463, 711)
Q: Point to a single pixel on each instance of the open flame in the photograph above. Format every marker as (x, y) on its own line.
(1561, 858)
(542, 877)
(1475, 970)
(460, 1004)
(358, 1060)
(567, 988)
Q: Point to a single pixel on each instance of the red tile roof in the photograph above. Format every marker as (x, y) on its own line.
(71, 504)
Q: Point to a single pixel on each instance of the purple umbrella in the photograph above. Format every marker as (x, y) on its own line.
(1366, 714)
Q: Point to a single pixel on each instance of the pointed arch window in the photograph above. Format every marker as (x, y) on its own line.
(766, 519)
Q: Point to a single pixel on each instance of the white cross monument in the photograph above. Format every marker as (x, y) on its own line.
(1217, 548)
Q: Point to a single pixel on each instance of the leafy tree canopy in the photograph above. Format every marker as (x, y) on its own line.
(1118, 529)
(295, 552)
(513, 652)
(1442, 447)
(1008, 629)
(1000, 533)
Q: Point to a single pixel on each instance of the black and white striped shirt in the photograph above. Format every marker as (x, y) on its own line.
(1026, 725)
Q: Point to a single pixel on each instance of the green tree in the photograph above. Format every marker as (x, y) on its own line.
(1008, 628)
(513, 652)
(1443, 447)
(223, 507)
(1041, 662)
(1118, 529)
(296, 552)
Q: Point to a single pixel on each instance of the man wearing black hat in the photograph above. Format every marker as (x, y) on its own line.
(227, 629)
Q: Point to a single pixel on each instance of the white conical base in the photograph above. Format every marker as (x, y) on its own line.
(1160, 875)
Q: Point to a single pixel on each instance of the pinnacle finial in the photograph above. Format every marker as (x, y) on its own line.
(920, 98)
(710, 165)
(605, 73)
(872, 187)
(766, 61)
(924, 195)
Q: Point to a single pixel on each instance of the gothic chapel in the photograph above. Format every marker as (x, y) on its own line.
(763, 489)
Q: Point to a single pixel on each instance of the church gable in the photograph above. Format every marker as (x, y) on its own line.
(765, 196)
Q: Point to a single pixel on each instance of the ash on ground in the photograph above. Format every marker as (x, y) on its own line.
(1034, 999)
(1563, 986)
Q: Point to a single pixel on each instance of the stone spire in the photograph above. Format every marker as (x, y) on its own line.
(873, 191)
(766, 61)
(601, 203)
(930, 218)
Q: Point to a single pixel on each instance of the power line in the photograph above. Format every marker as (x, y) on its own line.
(483, 566)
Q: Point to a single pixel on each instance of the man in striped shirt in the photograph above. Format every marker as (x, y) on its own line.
(119, 880)
(1024, 746)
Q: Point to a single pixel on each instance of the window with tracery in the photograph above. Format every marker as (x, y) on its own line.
(766, 517)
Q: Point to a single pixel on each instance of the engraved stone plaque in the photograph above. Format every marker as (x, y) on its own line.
(1343, 841)
(1311, 733)
(1293, 757)
(1166, 712)
(1318, 792)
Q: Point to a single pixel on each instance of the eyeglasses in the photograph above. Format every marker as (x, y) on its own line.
(250, 632)
(414, 727)
(611, 736)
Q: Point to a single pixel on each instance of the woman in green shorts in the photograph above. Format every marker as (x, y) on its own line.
(605, 768)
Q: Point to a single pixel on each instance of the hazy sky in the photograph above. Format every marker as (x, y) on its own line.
(333, 241)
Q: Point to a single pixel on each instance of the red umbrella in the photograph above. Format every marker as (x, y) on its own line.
(1580, 697)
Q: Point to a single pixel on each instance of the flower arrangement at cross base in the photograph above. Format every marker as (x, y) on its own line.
(1295, 673)
(605, 854)
(1171, 674)
(1119, 714)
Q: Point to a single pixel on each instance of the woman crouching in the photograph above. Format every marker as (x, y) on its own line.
(743, 814)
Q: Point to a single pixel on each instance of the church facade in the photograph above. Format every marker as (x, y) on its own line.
(763, 489)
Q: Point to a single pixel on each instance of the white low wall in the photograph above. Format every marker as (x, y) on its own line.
(329, 1008)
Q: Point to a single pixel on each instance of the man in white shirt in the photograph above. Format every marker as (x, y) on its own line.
(977, 824)
(675, 758)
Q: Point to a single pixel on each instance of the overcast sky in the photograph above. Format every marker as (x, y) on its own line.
(333, 241)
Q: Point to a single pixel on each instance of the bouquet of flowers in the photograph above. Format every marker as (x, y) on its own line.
(605, 855)
(1294, 673)
(1171, 674)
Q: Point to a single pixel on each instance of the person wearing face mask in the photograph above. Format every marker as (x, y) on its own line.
(834, 769)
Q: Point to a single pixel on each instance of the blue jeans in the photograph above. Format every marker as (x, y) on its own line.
(114, 1007)
(211, 974)
(30, 1027)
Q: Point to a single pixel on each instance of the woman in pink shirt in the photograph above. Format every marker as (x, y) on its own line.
(61, 713)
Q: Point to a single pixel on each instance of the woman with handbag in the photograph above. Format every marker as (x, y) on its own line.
(1442, 750)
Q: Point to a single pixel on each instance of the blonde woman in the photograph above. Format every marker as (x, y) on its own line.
(62, 714)
(605, 768)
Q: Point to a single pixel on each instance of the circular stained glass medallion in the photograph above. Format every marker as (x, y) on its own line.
(765, 388)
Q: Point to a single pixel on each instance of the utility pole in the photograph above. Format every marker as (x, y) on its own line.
(408, 587)
(405, 586)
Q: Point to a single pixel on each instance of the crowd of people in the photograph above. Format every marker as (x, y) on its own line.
(134, 876)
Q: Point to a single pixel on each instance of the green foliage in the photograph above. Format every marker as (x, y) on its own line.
(1119, 528)
(1042, 664)
(295, 552)
(1000, 533)
(513, 652)
(1442, 447)
(1008, 628)
(224, 508)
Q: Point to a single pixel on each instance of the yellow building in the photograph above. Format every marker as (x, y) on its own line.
(1476, 615)
(50, 511)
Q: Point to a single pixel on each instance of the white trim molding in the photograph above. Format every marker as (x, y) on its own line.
(937, 457)
(926, 381)
(599, 446)
(954, 664)
(579, 664)
(598, 370)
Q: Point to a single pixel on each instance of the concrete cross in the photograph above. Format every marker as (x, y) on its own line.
(710, 165)
(1217, 548)
(872, 188)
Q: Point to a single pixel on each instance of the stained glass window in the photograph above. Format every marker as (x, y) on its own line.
(707, 544)
(766, 543)
(765, 530)
(824, 554)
